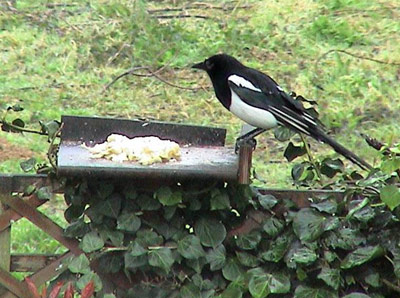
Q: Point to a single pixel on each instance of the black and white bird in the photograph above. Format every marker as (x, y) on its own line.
(259, 101)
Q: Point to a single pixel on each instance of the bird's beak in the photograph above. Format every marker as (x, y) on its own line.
(199, 66)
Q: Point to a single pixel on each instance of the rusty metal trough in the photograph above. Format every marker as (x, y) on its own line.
(202, 149)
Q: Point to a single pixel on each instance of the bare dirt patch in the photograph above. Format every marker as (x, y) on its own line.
(10, 151)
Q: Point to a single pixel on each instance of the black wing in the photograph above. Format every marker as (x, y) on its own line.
(269, 96)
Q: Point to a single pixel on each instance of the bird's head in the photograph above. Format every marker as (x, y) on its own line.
(221, 64)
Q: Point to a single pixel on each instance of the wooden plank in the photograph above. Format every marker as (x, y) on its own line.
(52, 270)
(42, 221)
(19, 182)
(31, 262)
(13, 284)
(5, 242)
(9, 216)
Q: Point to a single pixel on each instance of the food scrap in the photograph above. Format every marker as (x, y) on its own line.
(145, 150)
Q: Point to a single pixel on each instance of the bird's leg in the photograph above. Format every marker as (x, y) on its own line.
(248, 138)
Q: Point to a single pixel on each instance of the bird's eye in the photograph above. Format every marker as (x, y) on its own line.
(209, 64)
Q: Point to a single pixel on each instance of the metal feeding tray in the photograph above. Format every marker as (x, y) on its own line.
(203, 154)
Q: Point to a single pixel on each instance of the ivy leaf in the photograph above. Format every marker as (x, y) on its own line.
(146, 238)
(233, 290)
(308, 292)
(216, 257)
(210, 231)
(135, 262)
(361, 255)
(262, 285)
(327, 206)
(72, 213)
(28, 165)
(292, 151)
(248, 241)
(247, 259)
(162, 258)
(190, 290)
(18, 122)
(167, 197)
(116, 237)
(50, 128)
(86, 278)
(147, 203)
(373, 279)
(308, 225)
(79, 264)
(267, 201)
(345, 238)
(136, 250)
(91, 242)
(112, 206)
(390, 165)
(283, 134)
(190, 247)
(44, 193)
(232, 270)
(273, 226)
(196, 264)
(128, 222)
(330, 167)
(390, 195)
(331, 277)
(15, 108)
(277, 249)
(356, 295)
(77, 228)
(304, 256)
(219, 200)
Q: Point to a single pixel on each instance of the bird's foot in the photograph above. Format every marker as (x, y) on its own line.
(245, 141)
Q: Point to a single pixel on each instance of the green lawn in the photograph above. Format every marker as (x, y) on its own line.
(56, 59)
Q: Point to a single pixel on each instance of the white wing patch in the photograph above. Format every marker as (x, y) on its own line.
(242, 82)
(251, 115)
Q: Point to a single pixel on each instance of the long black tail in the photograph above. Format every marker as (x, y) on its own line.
(323, 137)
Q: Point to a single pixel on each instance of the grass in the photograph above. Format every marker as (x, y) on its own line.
(56, 59)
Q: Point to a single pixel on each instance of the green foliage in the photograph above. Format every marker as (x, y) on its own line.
(329, 249)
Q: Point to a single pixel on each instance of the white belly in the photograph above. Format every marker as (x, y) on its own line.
(251, 115)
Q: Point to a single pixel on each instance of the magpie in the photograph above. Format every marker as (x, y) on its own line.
(257, 99)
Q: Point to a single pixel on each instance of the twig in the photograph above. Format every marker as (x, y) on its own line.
(22, 129)
(149, 74)
(390, 285)
(311, 159)
(198, 5)
(182, 16)
(51, 147)
(352, 55)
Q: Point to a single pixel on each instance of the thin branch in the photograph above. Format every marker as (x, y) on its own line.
(353, 55)
(149, 74)
(391, 285)
(310, 158)
(182, 16)
(51, 147)
(23, 129)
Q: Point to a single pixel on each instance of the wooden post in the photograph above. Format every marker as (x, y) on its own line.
(5, 237)
(245, 156)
